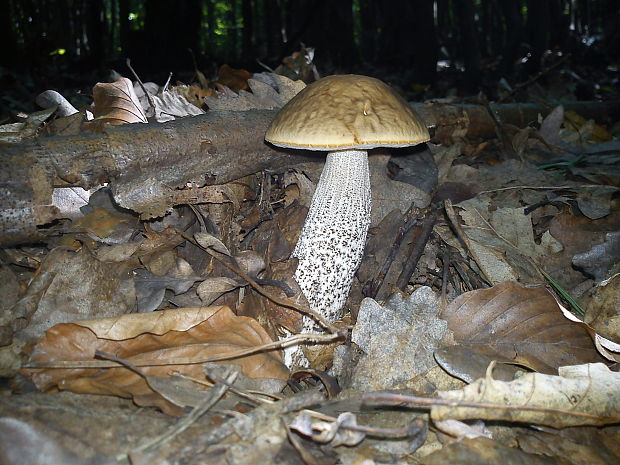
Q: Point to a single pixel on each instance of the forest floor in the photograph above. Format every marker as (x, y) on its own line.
(143, 307)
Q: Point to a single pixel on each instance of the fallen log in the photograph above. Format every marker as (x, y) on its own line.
(147, 164)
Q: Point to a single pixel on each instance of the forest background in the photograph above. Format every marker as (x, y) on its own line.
(475, 42)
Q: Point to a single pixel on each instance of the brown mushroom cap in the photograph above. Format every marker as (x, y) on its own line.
(346, 112)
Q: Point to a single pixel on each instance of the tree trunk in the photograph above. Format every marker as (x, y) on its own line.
(247, 38)
(123, 16)
(465, 12)
(171, 31)
(272, 23)
(369, 19)
(424, 61)
(538, 29)
(511, 12)
(8, 53)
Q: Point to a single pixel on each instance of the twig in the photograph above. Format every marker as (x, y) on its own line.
(252, 396)
(445, 259)
(264, 66)
(148, 96)
(212, 396)
(376, 399)
(591, 186)
(464, 238)
(409, 219)
(258, 288)
(262, 291)
(165, 88)
(298, 338)
(416, 253)
(541, 73)
(384, 433)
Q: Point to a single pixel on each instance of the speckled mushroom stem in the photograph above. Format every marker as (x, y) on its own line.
(332, 240)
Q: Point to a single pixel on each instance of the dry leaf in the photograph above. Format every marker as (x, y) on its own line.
(71, 285)
(117, 103)
(234, 79)
(16, 132)
(502, 242)
(194, 94)
(520, 324)
(603, 312)
(51, 98)
(171, 105)
(117, 253)
(101, 225)
(602, 259)
(191, 334)
(212, 288)
(208, 241)
(581, 395)
(397, 340)
(263, 96)
(150, 288)
(485, 451)
(299, 65)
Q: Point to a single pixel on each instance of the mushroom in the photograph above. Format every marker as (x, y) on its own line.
(344, 115)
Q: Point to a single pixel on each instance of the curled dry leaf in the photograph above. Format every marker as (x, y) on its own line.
(582, 395)
(250, 262)
(211, 242)
(151, 288)
(117, 103)
(189, 335)
(608, 349)
(50, 98)
(520, 324)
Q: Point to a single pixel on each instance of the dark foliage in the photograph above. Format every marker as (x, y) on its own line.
(471, 38)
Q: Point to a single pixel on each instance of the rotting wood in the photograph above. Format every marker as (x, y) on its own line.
(146, 163)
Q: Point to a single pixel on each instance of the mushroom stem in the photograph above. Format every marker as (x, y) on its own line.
(332, 240)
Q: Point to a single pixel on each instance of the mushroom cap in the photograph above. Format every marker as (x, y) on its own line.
(346, 112)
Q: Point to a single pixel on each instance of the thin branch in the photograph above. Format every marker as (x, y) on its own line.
(212, 396)
(385, 433)
(416, 252)
(591, 186)
(535, 78)
(464, 238)
(371, 288)
(262, 291)
(377, 399)
(298, 338)
(148, 96)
